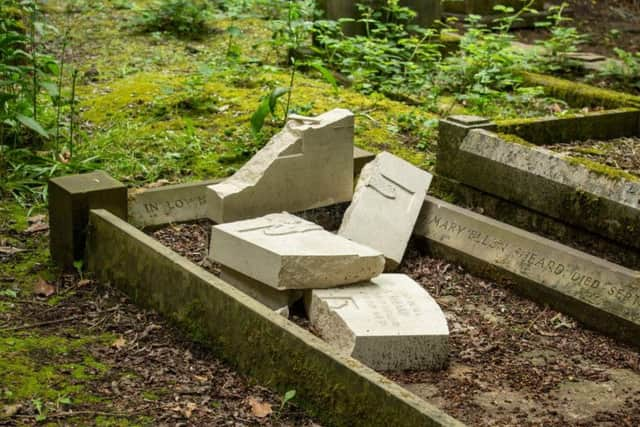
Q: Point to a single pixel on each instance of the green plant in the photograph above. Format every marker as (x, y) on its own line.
(267, 107)
(79, 266)
(40, 409)
(187, 18)
(562, 42)
(625, 71)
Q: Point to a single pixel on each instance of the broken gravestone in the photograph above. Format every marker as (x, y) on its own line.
(388, 323)
(287, 252)
(277, 300)
(308, 164)
(385, 206)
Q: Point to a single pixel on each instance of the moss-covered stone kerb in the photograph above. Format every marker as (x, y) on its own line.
(603, 295)
(581, 94)
(600, 125)
(452, 131)
(543, 181)
(339, 390)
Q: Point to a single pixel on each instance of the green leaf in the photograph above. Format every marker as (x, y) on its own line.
(51, 88)
(273, 97)
(258, 117)
(9, 293)
(288, 396)
(234, 31)
(328, 76)
(32, 124)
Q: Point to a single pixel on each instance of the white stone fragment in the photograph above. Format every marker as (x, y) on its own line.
(385, 206)
(388, 323)
(288, 252)
(308, 164)
(272, 298)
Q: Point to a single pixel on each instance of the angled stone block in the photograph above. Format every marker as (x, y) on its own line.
(287, 252)
(308, 164)
(70, 199)
(385, 206)
(388, 323)
(277, 300)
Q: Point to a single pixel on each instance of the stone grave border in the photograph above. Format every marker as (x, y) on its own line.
(465, 174)
(337, 389)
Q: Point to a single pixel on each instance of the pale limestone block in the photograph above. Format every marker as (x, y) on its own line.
(308, 164)
(288, 252)
(277, 300)
(385, 206)
(388, 323)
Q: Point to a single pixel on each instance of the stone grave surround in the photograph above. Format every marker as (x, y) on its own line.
(308, 164)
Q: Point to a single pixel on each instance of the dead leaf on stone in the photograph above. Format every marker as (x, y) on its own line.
(38, 226)
(10, 250)
(260, 409)
(43, 289)
(188, 410)
(36, 219)
(119, 343)
(84, 282)
(9, 411)
(158, 183)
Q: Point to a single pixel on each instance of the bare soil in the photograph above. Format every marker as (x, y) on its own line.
(512, 362)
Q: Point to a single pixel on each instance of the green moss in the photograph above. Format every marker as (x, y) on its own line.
(601, 169)
(580, 94)
(515, 139)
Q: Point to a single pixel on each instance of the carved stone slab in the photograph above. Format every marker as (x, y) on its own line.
(288, 252)
(385, 206)
(388, 323)
(308, 164)
(601, 294)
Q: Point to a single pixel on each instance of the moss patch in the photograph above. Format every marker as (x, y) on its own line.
(601, 169)
(514, 139)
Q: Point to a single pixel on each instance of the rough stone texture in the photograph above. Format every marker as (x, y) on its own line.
(427, 11)
(288, 252)
(309, 164)
(388, 323)
(172, 203)
(385, 206)
(545, 182)
(452, 131)
(272, 298)
(360, 159)
(602, 295)
(560, 130)
(250, 336)
(70, 199)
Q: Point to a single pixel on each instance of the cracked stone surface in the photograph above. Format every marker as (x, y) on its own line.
(287, 252)
(388, 323)
(308, 164)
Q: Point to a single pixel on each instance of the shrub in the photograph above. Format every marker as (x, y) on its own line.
(187, 18)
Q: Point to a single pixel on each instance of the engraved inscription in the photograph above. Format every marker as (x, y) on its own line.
(280, 225)
(169, 206)
(386, 186)
(528, 261)
(390, 310)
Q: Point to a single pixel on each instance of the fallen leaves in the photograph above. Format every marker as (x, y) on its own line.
(119, 343)
(10, 250)
(42, 288)
(259, 409)
(37, 223)
(9, 411)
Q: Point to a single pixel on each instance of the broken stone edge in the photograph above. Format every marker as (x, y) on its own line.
(258, 342)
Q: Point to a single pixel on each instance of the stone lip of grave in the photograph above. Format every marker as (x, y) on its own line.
(601, 294)
(87, 182)
(287, 252)
(544, 181)
(385, 206)
(308, 164)
(388, 323)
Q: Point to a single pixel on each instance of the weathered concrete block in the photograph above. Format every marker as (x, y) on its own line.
(388, 323)
(546, 182)
(287, 252)
(603, 295)
(70, 199)
(452, 131)
(385, 206)
(277, 300)
(309, 164)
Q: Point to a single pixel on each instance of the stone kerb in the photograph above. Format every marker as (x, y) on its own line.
(260, 343)
(545, 182)
(602, 295)
(452, 132)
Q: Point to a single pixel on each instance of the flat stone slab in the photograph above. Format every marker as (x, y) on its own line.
(388, 323)
(288, 252)
(277, 300)
(602, 295)
(308, 164)
(385, 206)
